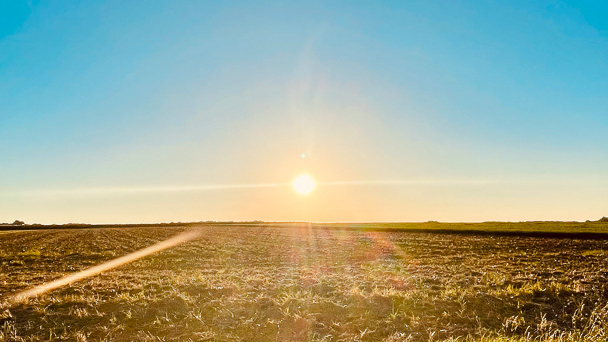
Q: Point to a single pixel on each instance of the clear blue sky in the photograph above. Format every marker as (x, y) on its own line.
(478, 110)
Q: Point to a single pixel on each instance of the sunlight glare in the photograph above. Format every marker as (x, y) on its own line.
(304, 184)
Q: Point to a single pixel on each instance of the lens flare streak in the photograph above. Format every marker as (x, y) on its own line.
(44, 288)
(309, 184)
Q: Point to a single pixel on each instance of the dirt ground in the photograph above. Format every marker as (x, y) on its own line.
(299, 283)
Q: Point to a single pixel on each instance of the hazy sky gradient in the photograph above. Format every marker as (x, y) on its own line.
(412, 110)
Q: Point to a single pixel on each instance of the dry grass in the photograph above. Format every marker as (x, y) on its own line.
(303, 284)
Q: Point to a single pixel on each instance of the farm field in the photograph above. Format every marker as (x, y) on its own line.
(301, 283)
(513, 228)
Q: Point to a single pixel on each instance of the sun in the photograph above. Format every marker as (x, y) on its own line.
(304, 184)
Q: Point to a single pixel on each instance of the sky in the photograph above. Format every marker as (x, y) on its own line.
(161, 111)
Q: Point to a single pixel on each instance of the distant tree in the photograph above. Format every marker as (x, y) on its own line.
(603, 219)
(18, 223)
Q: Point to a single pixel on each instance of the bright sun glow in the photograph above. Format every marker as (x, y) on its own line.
(304, 184)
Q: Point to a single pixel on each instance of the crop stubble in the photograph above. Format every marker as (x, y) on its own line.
(299, 283)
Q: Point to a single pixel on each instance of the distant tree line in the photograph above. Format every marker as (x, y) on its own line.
(15, 223)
